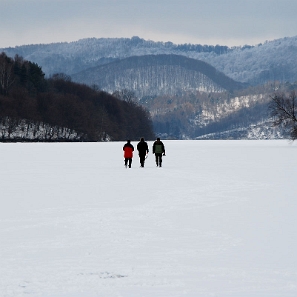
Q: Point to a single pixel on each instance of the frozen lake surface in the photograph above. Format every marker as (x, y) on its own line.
(219, 219)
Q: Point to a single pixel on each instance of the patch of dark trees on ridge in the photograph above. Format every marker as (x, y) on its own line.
(26, 95)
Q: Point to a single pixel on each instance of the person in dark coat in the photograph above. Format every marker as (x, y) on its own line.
(128, 149)
(142, 148)
(159, 151)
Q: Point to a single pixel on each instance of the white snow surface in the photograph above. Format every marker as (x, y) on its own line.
(218, 219)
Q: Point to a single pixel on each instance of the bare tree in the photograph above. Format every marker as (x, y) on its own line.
(283, 110)
(126, 95)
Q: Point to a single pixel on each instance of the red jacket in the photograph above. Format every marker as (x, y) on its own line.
(128, 150)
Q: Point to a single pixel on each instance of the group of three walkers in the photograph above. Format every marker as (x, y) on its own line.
(142, 147)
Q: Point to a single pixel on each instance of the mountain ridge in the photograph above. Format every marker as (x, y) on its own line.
(271, 60)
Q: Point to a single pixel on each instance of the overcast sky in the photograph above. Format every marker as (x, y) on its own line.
(224, 22)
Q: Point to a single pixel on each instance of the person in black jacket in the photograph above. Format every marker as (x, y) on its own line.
(142, 148)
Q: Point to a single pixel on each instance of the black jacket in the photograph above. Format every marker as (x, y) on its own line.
(142, 148)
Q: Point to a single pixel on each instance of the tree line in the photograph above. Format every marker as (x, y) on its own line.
(36, 108)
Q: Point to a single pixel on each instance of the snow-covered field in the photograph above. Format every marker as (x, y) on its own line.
(219, 219)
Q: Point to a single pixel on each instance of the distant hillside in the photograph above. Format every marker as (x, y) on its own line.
(153, 75)
(242, 114)
(273, 60)
(76, 56)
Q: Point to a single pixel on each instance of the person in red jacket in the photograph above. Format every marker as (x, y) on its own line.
(128, 149)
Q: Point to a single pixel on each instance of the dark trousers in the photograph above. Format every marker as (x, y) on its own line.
(128, 161)
(158, 159)
(142, 159)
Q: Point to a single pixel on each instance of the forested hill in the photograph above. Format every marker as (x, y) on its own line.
(33, 108)
(72, 57)
(152, 75)
(271, 60)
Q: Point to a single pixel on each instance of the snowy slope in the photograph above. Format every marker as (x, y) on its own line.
(219, 219)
